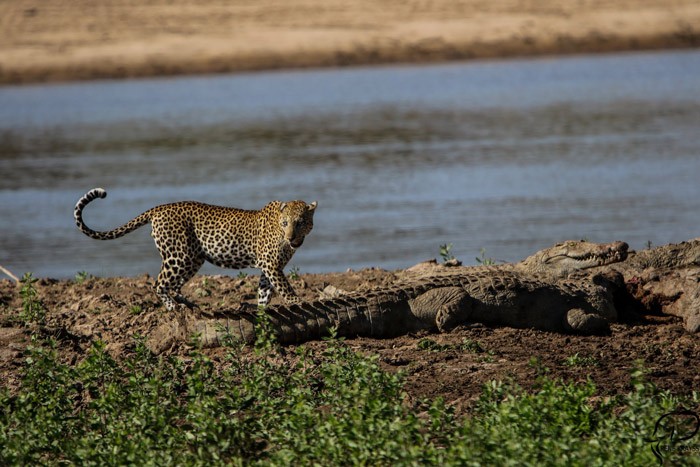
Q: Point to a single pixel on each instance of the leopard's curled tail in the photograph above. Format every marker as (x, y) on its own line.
(110, 234)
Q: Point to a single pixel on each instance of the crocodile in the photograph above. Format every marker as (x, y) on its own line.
(532, 294)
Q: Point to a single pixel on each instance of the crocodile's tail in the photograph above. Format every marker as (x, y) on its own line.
(110, 234)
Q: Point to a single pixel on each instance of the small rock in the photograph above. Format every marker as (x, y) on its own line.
(423, 265)
(331, 292)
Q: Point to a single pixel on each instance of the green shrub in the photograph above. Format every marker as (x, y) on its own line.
(446, 252)
(33, 310)
(483, 260)
(82, 276)
(295, 273)
(330, 407)
(467, 345)
(577, 360)
(565, 424)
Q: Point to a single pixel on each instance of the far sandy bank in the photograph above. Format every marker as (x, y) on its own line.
(83, 39)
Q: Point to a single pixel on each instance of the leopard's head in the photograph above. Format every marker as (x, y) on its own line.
(296, 221)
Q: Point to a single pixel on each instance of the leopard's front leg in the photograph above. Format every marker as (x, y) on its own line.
(275, 280)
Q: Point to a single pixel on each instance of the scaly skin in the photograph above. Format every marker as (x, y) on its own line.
(436, 304)
(572, 256)
(671, 256)
(520, 295)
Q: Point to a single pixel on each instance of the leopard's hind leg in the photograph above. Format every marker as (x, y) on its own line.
(182, 258)
(264, 290)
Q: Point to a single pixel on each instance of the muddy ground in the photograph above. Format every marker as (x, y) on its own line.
(453, 365)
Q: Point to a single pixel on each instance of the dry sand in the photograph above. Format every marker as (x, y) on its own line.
(86, 39)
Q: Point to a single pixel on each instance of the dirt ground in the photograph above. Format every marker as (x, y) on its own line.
(85, 39)
(454, 365)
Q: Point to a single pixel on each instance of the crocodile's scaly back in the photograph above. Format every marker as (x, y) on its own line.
(528, 294)
(674, 255)
(439, 303)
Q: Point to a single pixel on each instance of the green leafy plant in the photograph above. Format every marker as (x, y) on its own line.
(294, 273)
(33, 310)
(205, 290)
(539, 367)
(483, 260)
(577, 360)
(429, 344)
(467, 345)
(471, 346)
(325, 406)
(82, 276)
(446, 252)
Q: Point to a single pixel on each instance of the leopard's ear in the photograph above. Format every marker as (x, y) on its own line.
(312, 206)
(282, 206)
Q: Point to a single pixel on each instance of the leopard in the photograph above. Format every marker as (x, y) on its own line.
(188, 233)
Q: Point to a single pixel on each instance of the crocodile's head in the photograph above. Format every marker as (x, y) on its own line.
(574, 255)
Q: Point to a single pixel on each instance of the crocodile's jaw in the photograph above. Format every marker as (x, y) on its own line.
(576, 257)
(569, 256)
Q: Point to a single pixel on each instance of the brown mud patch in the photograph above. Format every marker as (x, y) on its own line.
(82, 39)
(454, 366)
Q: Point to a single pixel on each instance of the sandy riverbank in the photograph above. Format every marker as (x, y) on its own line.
(82, 39)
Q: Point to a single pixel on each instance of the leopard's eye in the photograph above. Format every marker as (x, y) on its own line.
(285, 223)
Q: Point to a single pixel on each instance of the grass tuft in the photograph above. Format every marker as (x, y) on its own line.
(33, 310)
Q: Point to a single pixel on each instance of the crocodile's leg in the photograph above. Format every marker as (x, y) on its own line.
(692, 316)
(445, 307)
(581, 322)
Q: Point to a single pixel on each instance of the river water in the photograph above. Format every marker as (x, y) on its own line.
(506, 156)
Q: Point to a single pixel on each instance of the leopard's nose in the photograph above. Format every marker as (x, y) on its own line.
(296, 243)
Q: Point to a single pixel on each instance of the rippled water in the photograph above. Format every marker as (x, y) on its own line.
(509, 156)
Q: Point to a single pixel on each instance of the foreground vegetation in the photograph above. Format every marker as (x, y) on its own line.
(330, 407)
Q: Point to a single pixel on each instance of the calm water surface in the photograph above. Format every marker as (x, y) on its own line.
(509, 156)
